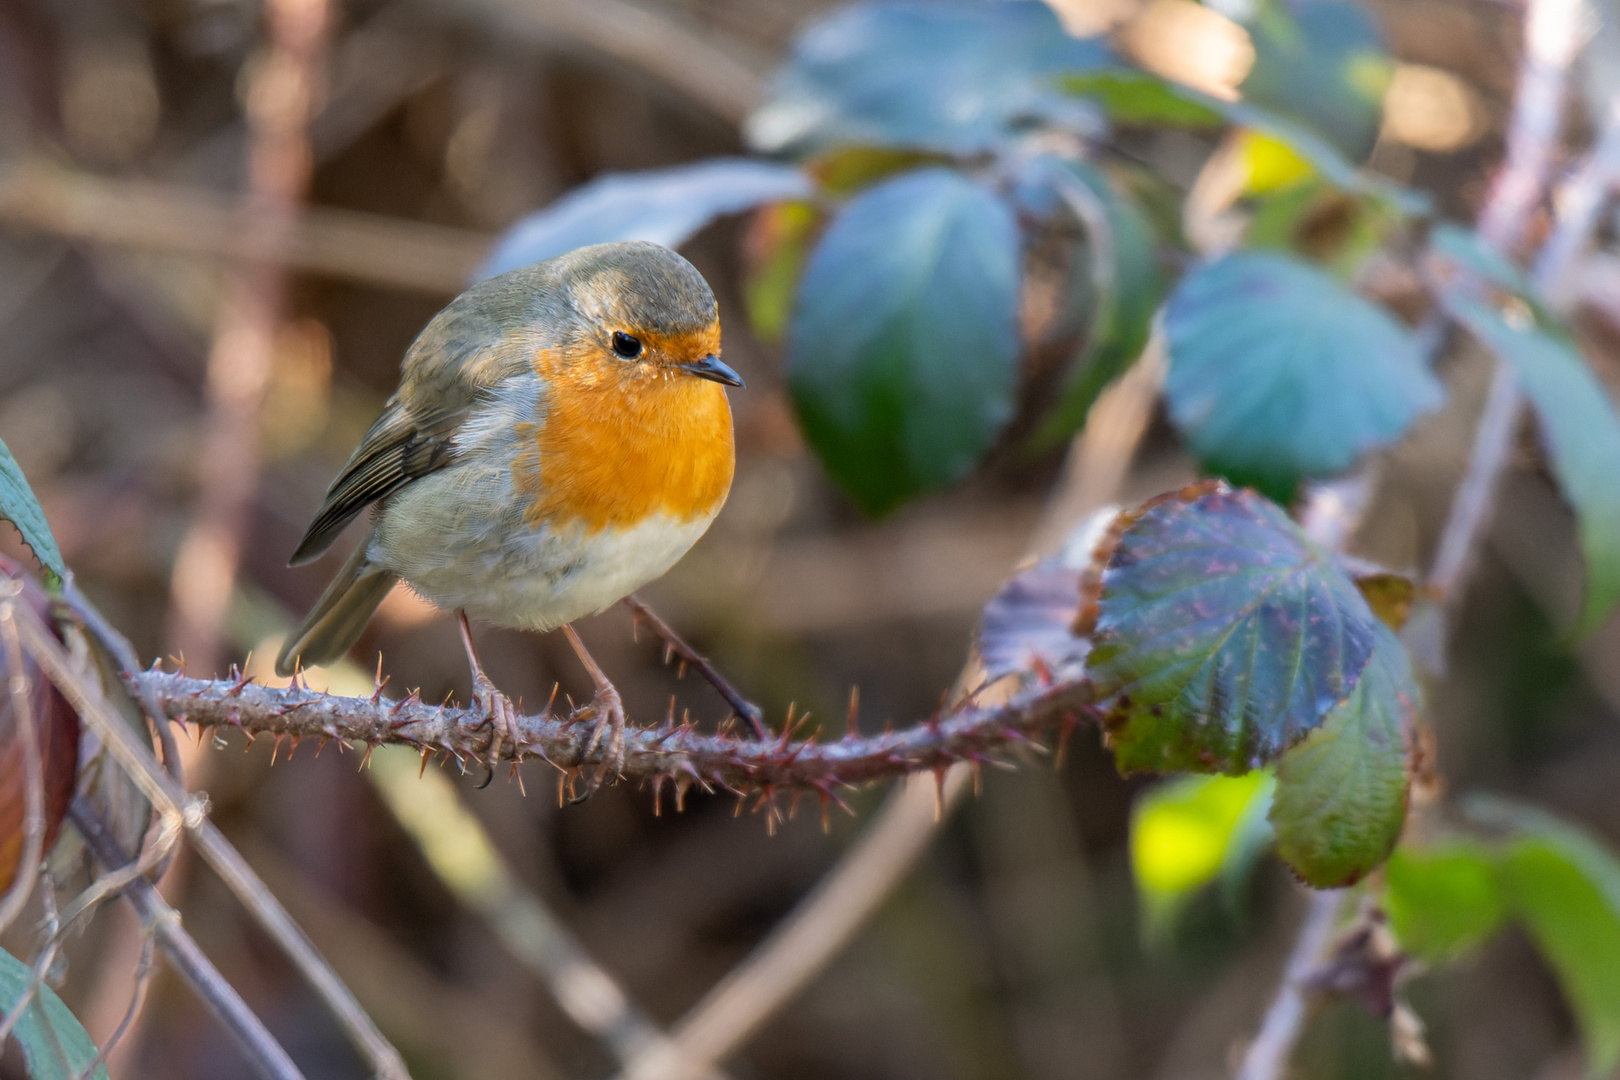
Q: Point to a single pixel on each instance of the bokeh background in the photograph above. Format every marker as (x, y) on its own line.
(1016, 949)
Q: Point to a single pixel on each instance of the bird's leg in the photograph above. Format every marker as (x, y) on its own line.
(496, 705)
(675, 646)
(608, 712)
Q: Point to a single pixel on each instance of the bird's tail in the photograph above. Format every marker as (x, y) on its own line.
(343, 610)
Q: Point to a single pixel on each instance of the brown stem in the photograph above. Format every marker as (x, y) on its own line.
(671, 753)
(674, 645)
(268, 1060)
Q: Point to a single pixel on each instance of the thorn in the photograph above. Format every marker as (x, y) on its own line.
(517, 772)
(318, 746)
(658, 794)
(275, 748)
(365, 759)
(1043, 673)
(680, 668)
(552, 700)
(852, 720)
(379, 682)
(939, 794)
(422, 771)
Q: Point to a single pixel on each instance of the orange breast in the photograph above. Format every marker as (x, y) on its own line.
(615, 449)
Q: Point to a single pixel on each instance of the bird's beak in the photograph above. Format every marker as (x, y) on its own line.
(712, 369)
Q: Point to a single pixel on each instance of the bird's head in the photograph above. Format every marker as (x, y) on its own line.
(641, 312)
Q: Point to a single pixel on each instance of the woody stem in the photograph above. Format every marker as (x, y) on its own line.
(678, 647)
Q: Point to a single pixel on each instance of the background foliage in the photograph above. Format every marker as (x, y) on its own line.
(940, 232)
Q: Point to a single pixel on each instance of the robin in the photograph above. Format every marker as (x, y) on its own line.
(560, 437)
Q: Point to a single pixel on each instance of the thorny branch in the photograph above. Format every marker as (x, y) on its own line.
(674, 753)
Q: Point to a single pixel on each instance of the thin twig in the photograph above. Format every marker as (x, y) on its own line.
(702, 62)
(191, 812)
(42, 962)
(825, 921)
(143, 978)
(266, 1056)
(460, 852)
(22, 715)
(280, 100)
(820, 926)
(123, 654)
(674, 645)
(158, 216)
(1267, 1057)
(1552, 37)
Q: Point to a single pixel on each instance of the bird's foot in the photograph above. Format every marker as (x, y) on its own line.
(502, 716)
(606, 712)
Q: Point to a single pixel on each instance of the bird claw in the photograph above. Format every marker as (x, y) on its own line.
(607, 712)
(502, 716)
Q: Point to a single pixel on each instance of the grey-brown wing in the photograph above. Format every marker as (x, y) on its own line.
(466, 348)
(399, 447)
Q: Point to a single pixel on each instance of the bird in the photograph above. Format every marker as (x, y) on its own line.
(561, 436)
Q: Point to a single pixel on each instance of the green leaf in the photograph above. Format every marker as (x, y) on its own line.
(1443, 900)
(957, 77)
(1324, 65)
(1127, 281)
(1188, 832)
(664, 206)
(1326, 159)
(778, 245)
(1581, 433)
(1278, 372)
(1341, 793)
(1566, 887)
(903, 349)
(1223, 635)
(53, 1040)
(1138, 99)
(19, 506)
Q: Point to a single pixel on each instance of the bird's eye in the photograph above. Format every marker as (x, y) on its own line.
(625, 345)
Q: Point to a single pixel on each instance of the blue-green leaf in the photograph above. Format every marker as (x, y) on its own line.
(664, 206)
(1581, 433)
(1468, 249)
(952, 76)
(1127, 282)
(19, 506)
(53, 1040)
(1443, 899)
(1278, 372)
(1223, 635)
(1324, 65)
(902, 352)
(1341, 793)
